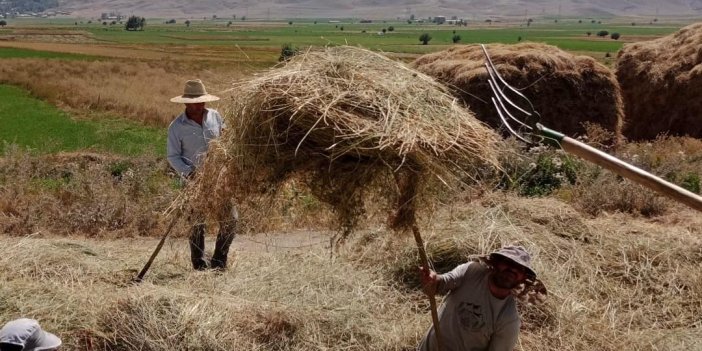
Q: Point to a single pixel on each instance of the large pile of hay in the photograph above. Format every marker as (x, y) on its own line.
(566, 90)
(661, 82)
(343, 119)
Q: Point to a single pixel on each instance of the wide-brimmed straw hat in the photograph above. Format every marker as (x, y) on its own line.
(193, 93)
(27, 333)
(518, 255)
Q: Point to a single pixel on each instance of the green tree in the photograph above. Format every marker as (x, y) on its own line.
(391, 28)
(135, 23)
(3, 23)
(384, 30)
(615, 36)
(424, 38)
(287, 52)
(456, 38)
(602, 33)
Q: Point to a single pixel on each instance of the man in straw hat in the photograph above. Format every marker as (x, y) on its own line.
(26, 335)
(480, 311)
(188, 140)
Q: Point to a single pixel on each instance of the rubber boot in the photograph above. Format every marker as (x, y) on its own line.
(197, 247)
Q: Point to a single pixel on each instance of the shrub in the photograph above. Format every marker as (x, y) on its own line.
(691, 182)
(538, 171)
(549, 173)
(286, 52)
(391, 28)
(425, 38)
(607, 192)
(135, 23)
(602, 33)
(615, 36)
(456, 38)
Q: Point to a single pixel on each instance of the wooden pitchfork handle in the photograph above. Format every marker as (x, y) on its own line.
(432, 299)
(139, 277)
(622, 168)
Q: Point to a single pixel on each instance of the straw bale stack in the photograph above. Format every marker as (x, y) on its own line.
(343, 120)
(661, 82)
(566, 90)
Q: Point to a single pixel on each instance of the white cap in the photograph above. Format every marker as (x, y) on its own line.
(28, 334)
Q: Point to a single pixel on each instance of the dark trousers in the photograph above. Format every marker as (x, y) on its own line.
(227, 232)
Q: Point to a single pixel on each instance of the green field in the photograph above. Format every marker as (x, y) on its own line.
(566, 34)
(37, 125)
(404, 37)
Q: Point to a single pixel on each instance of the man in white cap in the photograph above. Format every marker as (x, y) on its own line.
(188, 140)
(480, 312)
(26, 335)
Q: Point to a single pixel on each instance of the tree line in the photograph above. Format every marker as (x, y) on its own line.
(23, 6)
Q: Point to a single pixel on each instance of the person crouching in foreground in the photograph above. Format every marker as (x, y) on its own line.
(480, 311)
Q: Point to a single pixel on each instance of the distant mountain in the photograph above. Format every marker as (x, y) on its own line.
(375, 9)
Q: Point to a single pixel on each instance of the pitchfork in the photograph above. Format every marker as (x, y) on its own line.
(514, 108)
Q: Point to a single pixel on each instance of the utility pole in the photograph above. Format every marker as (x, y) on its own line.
(526, 16)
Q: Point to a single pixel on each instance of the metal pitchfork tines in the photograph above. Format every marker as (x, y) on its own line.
(511, 114)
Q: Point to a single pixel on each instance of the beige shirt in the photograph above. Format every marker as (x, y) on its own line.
(471, 318)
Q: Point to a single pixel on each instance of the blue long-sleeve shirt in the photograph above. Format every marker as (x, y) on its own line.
(188, 141)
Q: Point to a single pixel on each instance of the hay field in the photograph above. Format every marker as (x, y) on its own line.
(76, 228)
(613, 286)
(623, 266)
